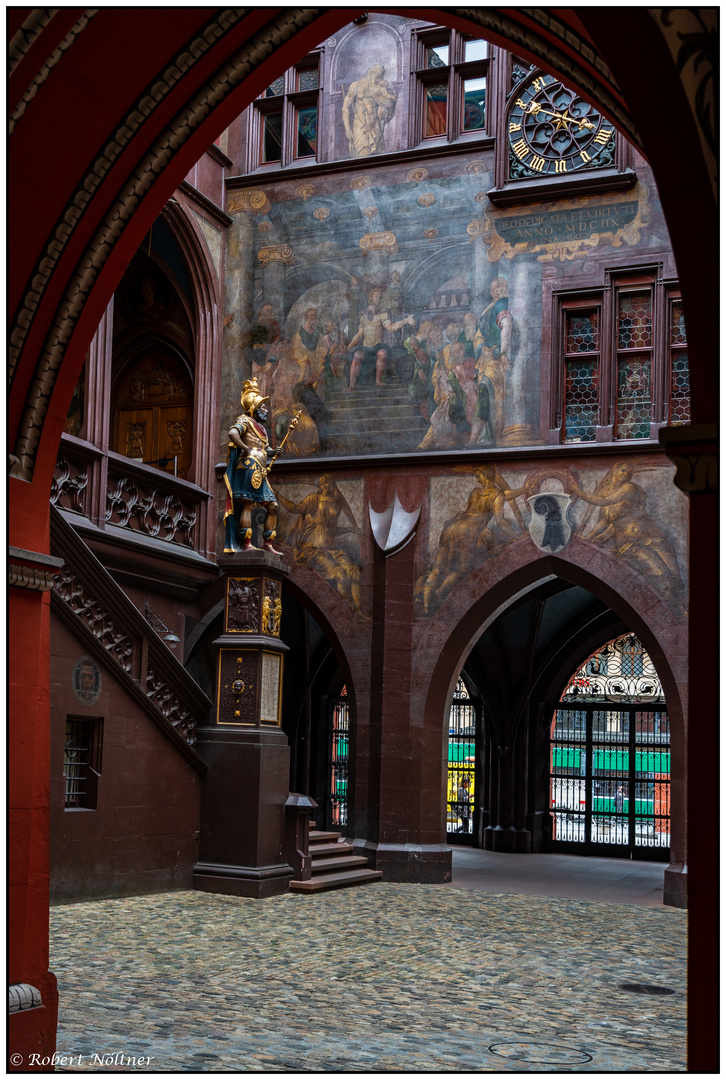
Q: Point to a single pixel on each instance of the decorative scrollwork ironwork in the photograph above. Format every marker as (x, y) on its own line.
(620, 670)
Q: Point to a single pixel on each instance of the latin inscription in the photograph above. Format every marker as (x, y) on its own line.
(556, 226)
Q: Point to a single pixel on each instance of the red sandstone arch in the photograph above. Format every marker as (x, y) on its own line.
(606, 578)
(65, 268)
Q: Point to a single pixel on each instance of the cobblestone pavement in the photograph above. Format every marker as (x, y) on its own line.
(386, 977)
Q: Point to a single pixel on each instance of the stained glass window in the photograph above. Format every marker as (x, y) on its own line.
(307, 132)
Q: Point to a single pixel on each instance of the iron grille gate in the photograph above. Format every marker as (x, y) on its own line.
(461, 772)
(610, 780)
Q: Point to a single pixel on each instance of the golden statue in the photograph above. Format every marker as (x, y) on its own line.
(249, 459)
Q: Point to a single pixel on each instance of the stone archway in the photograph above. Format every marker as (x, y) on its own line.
(75, 230)
(513, 821)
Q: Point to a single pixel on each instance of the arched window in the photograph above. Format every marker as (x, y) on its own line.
(620, 670)
(610, 757)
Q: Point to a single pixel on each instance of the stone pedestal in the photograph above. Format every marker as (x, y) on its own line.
(242, 846)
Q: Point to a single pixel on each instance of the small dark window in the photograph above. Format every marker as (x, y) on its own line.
(82, 763)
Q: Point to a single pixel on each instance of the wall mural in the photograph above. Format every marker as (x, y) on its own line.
(632, 510)
(404, 315)
(318, 526)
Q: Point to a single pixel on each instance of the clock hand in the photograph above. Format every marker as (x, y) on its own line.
(534, 108)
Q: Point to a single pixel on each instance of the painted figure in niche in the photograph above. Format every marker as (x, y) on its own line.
(314, 538)
(285, 402)
(150, 303)
(625, 527)
(368, 105)
(492, 346)
(248, 459)
(309, 350)
(373, 323)
(471, 535)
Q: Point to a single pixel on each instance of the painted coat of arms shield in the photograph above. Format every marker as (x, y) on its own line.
(548, 524)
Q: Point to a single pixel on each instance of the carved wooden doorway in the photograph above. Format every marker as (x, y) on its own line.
(153, 412)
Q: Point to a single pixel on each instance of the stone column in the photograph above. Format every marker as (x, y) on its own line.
(242, 845)
(377, 249)
(274, 259)
(521, 409)
(398, 781)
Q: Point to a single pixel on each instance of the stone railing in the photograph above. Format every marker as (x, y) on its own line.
(113, 491)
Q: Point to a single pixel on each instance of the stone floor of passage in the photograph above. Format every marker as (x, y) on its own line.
(380, 978)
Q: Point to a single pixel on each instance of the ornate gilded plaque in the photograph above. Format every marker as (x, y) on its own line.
(237, 687)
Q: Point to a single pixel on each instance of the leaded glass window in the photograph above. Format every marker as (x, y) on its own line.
(634, 366)
(582, 370)
(679, 410)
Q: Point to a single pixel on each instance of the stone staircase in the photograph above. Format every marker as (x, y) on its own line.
(373, 420)
(334, 866)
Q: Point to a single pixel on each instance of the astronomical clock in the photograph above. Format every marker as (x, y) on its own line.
(553, 132)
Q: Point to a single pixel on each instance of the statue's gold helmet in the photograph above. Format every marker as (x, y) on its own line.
(251, 399)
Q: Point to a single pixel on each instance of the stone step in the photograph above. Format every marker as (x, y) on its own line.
(363, 412)
(323, 837)
(346, 862)
(330, 849)
(336, 881)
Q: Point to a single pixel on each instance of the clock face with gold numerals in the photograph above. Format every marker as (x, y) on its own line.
(552, 131)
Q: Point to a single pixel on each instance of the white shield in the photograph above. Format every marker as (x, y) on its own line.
(548, 524)
(394, 527)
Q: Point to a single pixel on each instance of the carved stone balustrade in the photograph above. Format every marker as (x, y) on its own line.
(113, 491)
(149, 501)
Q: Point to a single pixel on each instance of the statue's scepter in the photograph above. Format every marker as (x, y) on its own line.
(293, 424)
